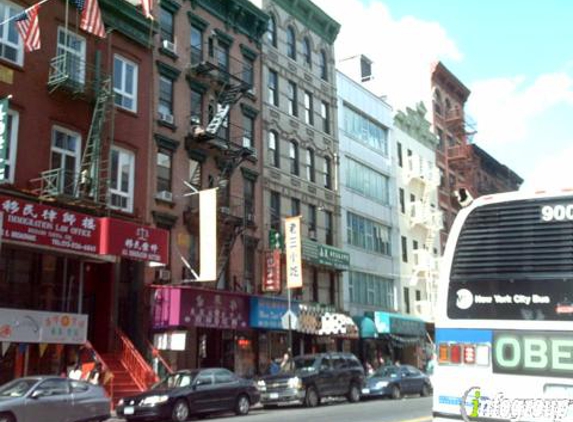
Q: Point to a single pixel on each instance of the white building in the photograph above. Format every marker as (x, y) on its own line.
(420, 220)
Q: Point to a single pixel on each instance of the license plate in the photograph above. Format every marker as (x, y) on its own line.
(273, 396)
(365, 391)
(128, 411)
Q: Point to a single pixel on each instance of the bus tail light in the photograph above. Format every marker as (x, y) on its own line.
(443, 353)
(469, 354)
(455, 353)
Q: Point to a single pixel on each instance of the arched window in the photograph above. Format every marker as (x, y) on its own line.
(272, 31)
(293, 156)
(274, 153)
(323, 66)
(437, 101)
(291, 43)
(306, 52)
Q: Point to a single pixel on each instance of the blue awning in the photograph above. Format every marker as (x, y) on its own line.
(366, 327)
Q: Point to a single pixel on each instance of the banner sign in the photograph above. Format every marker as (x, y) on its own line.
(48, 226)
(25, 326)
(3, 137)
(272, 278)
(134, 241)
(267, 312)
(325, 255)
(293, 252)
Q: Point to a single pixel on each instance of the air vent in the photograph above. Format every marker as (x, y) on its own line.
(510, 240)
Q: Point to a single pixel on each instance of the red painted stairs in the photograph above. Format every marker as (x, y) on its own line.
(124, 383)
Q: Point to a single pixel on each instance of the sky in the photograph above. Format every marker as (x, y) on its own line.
(515, 56)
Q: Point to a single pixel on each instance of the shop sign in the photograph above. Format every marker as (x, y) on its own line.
(3, 136)
(387, 323)
(272, 279)
(213, 309)
(325, 255)
(48, 226)
(268, 312)
(25, 326)
(134, 241)
(293, 252)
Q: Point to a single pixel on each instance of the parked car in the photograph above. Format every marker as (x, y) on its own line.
(395, 381)
(313, 378)
(198, 392)
(54, 399)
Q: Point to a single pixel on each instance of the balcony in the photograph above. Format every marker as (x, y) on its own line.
(56, 183)
(74, 76)
(459, 153)
(426, 265)
(416, 170)
(422, 214)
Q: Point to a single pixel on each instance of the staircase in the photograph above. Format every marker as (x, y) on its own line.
(124, 384)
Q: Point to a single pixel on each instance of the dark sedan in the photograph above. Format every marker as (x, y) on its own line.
(395, 381)
(197, 392)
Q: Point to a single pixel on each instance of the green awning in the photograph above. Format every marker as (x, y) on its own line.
(366, 327)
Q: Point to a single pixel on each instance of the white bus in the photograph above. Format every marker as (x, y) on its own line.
(504, 327)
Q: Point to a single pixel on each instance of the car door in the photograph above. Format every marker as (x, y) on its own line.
(326, 379)
(201, 396)
(226, 388)
(50, 401)
(408, 380)
(417, 378)
(342, 376)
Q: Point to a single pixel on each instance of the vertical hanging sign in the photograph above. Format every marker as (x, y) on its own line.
(3, 137)
(208, 235)
(272, 279)
(293, 252)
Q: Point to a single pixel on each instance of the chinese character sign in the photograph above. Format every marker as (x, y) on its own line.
(3, 137)
(272, 280)
(293, 252)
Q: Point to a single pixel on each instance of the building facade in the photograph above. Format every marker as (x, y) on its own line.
(77, 237)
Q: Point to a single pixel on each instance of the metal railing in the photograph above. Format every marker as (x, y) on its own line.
(415, 169)
(160, 365)
(220, 64)
(106, 377)
(55, 182)
(74, 74)
(130, 357)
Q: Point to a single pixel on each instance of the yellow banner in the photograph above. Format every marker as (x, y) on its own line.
(293, 252)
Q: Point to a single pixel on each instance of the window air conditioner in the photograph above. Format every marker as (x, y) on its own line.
(312, 234)
(165, 195)
(164, 274)
(166, 117)
(168, 45)
(250, 217)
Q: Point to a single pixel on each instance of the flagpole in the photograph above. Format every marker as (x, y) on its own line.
(16, 15)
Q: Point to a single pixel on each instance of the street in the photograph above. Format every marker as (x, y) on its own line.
(410, 409)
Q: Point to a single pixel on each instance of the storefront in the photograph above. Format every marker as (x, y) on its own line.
(68, 264)
(216, 324)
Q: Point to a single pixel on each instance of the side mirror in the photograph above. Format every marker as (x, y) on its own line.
(36, 394)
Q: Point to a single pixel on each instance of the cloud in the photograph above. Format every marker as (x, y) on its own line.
(505, 108)
(552, 172)
(402, 49)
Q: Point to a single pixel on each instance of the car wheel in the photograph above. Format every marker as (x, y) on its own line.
(312, 399)
(180, 411)
(354, 394)
(243, 405)
(7, 417)
(425, 391)
(395, 392)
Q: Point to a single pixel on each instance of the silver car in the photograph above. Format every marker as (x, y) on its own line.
(53, 399)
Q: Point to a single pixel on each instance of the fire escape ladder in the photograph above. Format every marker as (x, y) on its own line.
(94, 170)
(230, 94)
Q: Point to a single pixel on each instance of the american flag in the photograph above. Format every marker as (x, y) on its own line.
(147, 5)
(91, 17)
(29, 27)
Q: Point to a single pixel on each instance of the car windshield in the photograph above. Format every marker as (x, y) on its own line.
(387, 371)
(17, 388)
(176, 380)
(305, 364)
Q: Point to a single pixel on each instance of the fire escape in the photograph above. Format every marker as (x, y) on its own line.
(425, 219)
(86, 181)
(224, 76)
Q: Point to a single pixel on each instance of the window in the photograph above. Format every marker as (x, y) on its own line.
(125, 83)
(196, 107)
(248, 131)
(291, 43)
(407, 299)
(74, 48)
(122, 179)
(312, 220)
(327, 173)
(310, 168)
(371, 289)
(54, 387)
(11, 45)
(365, 130)
(248, 71)
(222, 55)
(323, 65)
(418, 295)
(415, 245)
(402, 201)
(7, 173)
(273, 88)
(365, 69)
(249, 195)
(166, 25)
(65, 156)
(367, 234)
(332, 288)
(274, 155)
(308, 108)
(400, 159)
(223, 376)
(328, 227)
(293, 156)
(164, 162)
(325, 114)
(275, 211)
(404, 248)
(367, 181)
(292, 99)
(306, 52)
(294, 206)
(272, 31)
(196, 45)
(165, 106)
(315, 297)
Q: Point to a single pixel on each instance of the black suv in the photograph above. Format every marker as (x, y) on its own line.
(313, 378)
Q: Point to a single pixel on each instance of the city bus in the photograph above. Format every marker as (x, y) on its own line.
(504, 321)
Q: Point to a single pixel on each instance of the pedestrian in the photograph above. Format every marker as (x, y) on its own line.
(76, 372)
(95, 374)
(274, 367)
(431, 364)
(381, 361)
(287, 365)
(368, 368)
